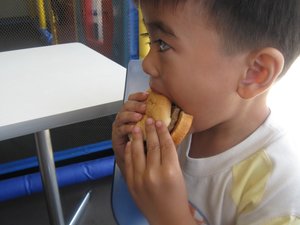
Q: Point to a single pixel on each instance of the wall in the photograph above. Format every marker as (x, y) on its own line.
(13, 8)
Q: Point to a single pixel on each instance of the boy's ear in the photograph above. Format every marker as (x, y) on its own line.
(263, 68)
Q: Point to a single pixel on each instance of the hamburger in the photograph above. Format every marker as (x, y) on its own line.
(159, 107)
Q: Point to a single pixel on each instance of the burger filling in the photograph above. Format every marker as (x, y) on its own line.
(175, 112)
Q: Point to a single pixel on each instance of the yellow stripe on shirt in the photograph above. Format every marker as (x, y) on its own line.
(250, 177)
(286, 220)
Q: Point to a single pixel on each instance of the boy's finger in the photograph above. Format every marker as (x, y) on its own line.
(134, 106)
(167, 146)
(153, 147)
(137, 151)
(127, 117)
(139, 96)
(128, 164)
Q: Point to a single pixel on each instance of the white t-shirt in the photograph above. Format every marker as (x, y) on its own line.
(256, 182)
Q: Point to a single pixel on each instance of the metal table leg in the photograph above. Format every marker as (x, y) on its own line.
(48, 173)
(80, 209)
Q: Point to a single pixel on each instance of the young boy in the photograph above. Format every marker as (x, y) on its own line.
(216, 59)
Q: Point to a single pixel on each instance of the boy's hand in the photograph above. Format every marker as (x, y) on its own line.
(155, 179)
(131, 112)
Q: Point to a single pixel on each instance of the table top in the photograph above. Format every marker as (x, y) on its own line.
(47, 87)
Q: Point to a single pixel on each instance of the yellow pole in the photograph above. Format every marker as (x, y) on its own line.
(52, 23)
(42, 14)
(143, 39)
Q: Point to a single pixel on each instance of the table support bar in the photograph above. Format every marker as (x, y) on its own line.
(80, 209)
(48, 173)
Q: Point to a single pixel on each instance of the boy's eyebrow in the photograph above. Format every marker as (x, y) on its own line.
(159, 25)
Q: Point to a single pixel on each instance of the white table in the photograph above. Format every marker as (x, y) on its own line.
(47, 87)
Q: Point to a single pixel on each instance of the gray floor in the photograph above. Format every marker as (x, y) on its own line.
(32, 209)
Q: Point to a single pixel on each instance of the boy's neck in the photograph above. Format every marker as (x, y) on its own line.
(223, 137)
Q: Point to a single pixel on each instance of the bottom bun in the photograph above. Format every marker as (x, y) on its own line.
(182, 127)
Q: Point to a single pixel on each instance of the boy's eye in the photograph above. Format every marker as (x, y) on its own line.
(163, 46)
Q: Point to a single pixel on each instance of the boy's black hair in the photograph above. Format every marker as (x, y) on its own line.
(251, 24)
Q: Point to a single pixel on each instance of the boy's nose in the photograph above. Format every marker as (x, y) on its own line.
(149, 65)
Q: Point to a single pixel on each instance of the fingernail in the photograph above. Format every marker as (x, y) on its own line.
(149, 121)
(158, 123)
(138, 115)
(143, 106)
(136, 129)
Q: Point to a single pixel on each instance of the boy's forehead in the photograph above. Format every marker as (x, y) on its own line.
(172, 23)
(162, 13)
